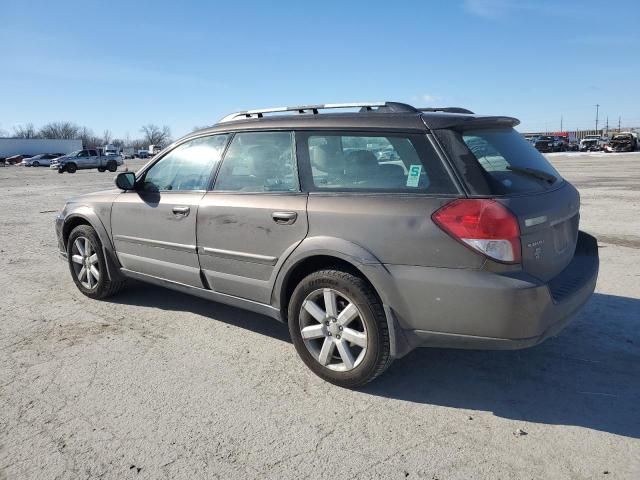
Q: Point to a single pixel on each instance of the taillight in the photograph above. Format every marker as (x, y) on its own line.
(483, 225)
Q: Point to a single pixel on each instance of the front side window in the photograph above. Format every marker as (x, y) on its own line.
(186, 167)
(361, 162)
(259, 162)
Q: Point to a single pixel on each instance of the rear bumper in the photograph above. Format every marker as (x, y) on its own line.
(456, 308)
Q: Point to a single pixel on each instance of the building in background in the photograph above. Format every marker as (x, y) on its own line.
(34, 146)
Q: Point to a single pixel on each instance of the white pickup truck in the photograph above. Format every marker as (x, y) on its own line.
(85, 159)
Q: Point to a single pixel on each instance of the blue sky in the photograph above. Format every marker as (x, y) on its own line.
(121, 64)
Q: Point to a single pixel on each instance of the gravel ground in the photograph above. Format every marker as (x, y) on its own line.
(155, 384)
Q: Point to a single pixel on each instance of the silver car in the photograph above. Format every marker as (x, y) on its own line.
(462, 236)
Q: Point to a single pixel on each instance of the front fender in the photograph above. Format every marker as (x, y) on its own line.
(87, 214)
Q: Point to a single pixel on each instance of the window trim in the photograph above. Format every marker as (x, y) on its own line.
(292, 133)
(306, 173)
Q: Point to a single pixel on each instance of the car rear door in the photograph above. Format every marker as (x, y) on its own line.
(154, 226)
(254, 217)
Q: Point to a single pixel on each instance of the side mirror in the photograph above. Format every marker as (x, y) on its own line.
(126, 180)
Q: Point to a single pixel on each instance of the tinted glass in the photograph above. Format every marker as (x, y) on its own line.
(506, 157)
(186, 167)
(498, 161)
(259, 162)
(375, 162)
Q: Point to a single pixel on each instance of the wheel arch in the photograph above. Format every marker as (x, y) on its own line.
(86, 216)
(317, 253)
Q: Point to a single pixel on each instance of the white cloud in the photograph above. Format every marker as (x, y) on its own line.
(424, 98)
(503, 8)
(488, 8)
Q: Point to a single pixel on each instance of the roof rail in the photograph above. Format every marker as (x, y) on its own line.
(447, 110)
(314, 109)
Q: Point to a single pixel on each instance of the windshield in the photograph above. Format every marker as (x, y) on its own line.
(621, 137)
(498, 161)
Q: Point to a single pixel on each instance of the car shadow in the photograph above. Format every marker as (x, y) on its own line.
(142, 294)
(588, 376)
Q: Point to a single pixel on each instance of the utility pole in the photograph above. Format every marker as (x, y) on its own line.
(561, 123)
(619, 120)
(607, 124)
(597, 111)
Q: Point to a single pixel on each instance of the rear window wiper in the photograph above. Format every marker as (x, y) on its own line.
(534, 172)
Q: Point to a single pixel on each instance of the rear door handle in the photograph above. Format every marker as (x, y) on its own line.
(181, 211)
(284, 218)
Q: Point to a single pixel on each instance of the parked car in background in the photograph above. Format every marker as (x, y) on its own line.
(545, 144)
(41, 160)
(469, 239)
(591, 143)
(622, 142)
(86, 159)
(16, 159)
(143, 154)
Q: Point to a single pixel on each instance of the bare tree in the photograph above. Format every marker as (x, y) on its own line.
(154, 135)
(107, 136)
(89, 139)
(65, 130)
(25, 131)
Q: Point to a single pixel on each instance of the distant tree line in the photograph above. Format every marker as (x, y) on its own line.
(151, 135)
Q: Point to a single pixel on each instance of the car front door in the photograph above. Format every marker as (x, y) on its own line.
(154, 226)
(253, 218)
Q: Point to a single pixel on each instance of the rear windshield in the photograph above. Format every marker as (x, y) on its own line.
(498, 161)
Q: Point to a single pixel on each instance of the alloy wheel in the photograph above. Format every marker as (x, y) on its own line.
(332, 329)
(85, 262)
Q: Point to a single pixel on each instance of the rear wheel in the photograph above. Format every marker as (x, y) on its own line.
(100, 169)
(339, 329)
(88, 265)
(71, 168)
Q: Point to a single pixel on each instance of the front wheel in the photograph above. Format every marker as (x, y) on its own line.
(35, 164)
(339, 329)
(112, 166)
(88, 265)
(71, 168)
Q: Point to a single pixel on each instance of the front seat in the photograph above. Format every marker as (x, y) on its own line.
(361, 165)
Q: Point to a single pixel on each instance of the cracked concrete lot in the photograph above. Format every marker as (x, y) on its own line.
(154, 384)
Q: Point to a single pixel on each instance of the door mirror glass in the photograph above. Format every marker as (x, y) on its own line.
(126, 180)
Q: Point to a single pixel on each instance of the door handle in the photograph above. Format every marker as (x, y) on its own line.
(181, 211)
(284, 218)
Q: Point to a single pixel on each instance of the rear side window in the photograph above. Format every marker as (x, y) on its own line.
(498, 161)
(341, 161)
(259, 162)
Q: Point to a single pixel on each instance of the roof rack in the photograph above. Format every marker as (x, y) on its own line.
(387, 107)
(447, 110)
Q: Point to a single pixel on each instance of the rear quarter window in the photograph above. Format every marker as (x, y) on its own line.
(498, 161)
(371, 162)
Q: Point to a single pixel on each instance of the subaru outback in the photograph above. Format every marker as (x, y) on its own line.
(370, 232)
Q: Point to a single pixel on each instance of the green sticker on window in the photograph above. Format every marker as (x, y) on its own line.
(414, 175)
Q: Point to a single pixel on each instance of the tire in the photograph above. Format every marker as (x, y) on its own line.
(112, 166)
(364, 362)
(100, 169)
(87, 283)
(35, 164)
(71, 167)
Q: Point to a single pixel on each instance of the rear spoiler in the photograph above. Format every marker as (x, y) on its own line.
(468, 122)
